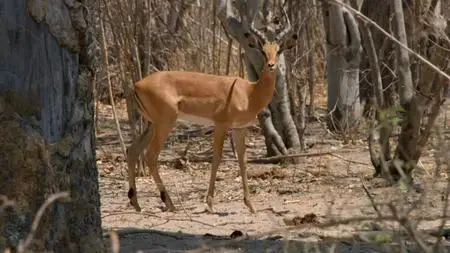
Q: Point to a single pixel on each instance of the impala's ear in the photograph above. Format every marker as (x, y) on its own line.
(289, 42)
(253, 41)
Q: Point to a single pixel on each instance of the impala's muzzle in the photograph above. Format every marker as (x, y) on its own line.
(271, 66)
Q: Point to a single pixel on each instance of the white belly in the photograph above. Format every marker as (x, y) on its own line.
(194, 119)
(189, 118)
(243, 125)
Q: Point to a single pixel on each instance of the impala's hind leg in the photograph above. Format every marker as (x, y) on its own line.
(160, 133)
(133, 153)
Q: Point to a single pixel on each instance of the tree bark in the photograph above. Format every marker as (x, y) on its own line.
(46, 126)
(276, 121)
(343, 59)
(423, 101)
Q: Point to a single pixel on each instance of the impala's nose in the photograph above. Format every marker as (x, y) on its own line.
(271, 66)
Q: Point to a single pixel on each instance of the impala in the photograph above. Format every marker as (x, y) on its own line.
(223, 101)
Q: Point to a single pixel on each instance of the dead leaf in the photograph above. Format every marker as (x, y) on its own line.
(309, 218)
(264, 173)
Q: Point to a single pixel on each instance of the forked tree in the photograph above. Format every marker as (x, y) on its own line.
(223, 101)
(276, 121)
(343, 56)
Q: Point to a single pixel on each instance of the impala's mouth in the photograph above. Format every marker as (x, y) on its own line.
(271, 66)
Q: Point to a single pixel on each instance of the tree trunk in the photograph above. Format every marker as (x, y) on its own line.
(422, 104)
(343, 59)
(46, 126)
(276, 121)
(421, 26)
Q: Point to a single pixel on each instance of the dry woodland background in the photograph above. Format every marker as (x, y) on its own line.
(352, 156)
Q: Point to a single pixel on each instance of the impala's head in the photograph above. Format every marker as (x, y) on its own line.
(272, 48)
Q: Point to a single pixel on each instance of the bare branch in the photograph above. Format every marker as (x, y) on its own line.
(404, 70)
(111, 97)
(23, 245)
(287, 29)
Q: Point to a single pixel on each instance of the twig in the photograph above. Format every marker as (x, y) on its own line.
(271, 158)
(158, 217)
(372, 201)
(140, 231)
(348, 160)
(111, 98)
(131, 212)
(115, 245)
(293, 201)
(276, 158)
(233, 223)
(23, 245)
(406, 223)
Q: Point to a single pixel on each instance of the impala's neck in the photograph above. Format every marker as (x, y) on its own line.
(263, 90)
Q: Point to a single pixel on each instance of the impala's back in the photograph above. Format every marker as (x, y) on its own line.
(199, 98)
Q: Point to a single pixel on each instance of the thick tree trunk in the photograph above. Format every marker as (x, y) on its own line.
(46, 126)
(276, 121)
(343, 59)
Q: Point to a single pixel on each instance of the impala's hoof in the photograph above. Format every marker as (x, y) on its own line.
(168, 209)
(249, 205)
(136, 206)
(167, 201)
(210, 203)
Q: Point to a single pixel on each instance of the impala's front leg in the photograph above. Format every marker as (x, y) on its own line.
(239, 135)
(160, 134)
(219, 138)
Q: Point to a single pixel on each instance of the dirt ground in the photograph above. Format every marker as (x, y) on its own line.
(315, 193)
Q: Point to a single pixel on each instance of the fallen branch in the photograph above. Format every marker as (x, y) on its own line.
(372, 201)
(348, 160)
(159, 217)
(282, 157)
(270, 159)
(131, 231)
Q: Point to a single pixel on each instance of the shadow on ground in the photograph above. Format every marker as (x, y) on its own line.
(154, 241)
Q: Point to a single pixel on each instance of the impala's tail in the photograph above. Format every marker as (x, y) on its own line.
(140, 107)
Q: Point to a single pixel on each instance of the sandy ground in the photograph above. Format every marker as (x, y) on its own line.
(315, 193)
